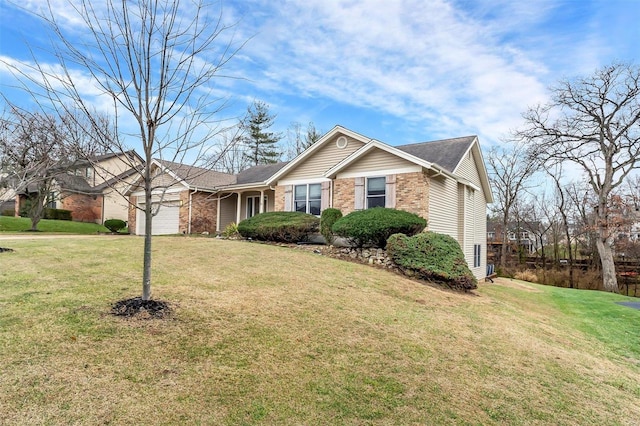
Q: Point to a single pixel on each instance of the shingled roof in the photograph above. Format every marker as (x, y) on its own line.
(260, 173)
(198, 177)
(446, 153)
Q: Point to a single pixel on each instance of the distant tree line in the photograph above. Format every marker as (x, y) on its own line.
(585, 142)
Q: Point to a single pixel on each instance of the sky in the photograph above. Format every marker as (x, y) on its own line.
(396, 71)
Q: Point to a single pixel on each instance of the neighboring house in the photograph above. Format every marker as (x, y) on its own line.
(92, 189)
(517, 236)
(444, 181)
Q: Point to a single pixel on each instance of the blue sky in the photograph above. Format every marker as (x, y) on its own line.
(397, 71)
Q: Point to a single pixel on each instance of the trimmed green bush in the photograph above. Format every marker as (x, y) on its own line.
(327, 219)
(57, 214)
(432, 257)
(372, 227)
(287, 227)
(115, 225)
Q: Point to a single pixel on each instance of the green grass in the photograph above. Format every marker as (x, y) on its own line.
(269, 335)
(18, 224)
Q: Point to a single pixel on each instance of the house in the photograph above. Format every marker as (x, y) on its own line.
(91, 189)
(521, 237)
(444, 181)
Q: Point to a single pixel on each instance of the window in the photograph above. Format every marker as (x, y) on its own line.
(376, 192)
(253, 205)
(51, 200)
(476, 255)
(491, 235)
(307, 198)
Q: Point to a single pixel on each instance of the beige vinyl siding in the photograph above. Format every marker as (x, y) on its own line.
(105, 170)
(475, 215)
(164, 180)
(227, 210)
(480, 231)
(377, 161)
(468, 170)
(322, 160)
(443, 206)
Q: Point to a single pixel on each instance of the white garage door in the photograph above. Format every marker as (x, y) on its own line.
(165, 222)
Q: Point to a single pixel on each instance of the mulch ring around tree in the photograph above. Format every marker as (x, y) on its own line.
(143, 309)
(4, 249)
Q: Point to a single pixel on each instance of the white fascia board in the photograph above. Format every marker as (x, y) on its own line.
(313, 148)
(382, 172)
(303, 181)
(158, 191)
(480, 166)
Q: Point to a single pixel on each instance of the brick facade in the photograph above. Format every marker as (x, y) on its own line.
(132, 213)
(84, 208)
(204, 212)
(344, 195)
(278, 201)
(412, 193)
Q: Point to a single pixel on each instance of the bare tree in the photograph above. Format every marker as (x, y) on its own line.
(594, 123)
(228, 153)
(155, 61)
(299, 140)
(509, 171)
(35, 149)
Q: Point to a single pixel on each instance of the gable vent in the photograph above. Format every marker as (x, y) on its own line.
(342, 142)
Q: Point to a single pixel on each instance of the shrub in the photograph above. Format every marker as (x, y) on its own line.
(288, 227)
(57, 214)
(372, 227)
(327, 219)
(115, 225)
(231, 231)
(432, 257)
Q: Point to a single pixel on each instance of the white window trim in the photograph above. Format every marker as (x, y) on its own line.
(307, 196)
(366, 190)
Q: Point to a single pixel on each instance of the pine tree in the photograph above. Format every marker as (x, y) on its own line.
(260, 143)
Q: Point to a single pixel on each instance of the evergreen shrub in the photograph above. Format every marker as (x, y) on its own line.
(432, 257)
(287, 227)
(327, 219)
(115, 225)
(372, 227)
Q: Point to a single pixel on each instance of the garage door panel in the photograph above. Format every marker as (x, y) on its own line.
(166, 221)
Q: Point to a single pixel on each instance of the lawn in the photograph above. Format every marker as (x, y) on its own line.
(18, 224)
(270, 335)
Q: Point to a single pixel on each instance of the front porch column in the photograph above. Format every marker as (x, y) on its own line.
(238, 208)
(262, 201)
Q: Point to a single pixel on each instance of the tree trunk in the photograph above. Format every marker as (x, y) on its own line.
(146, 268)
(609, 279)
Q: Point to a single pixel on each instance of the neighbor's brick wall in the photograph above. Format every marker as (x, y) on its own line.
(344, 193)
(412, 193)
(131, 222)
(84, 208)
(204, 212)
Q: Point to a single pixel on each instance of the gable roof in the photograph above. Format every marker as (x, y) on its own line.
(315, 147)
(446, 153)
(196, 177)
